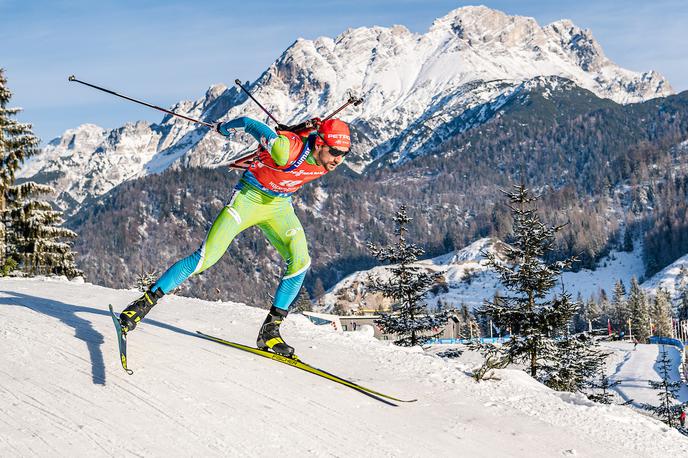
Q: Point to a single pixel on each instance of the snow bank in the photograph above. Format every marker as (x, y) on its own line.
(62, 391)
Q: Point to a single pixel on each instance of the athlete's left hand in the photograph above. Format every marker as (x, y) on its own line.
(216, 128)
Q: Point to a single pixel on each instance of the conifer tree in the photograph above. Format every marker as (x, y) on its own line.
(534, 318)
(580, 322)
(17, 143)
(33, 233)
(603, 384)
(667, 391)
(469, 325)
(577, 359)
(406, 286)
(661, 314)
(683, 305)
(318, 289)
(303, 303)
(619, 307)
(639, 312)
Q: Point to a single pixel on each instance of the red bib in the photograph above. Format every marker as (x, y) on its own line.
(290, 177)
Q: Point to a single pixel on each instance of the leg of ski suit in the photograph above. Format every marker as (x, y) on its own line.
(250, 207)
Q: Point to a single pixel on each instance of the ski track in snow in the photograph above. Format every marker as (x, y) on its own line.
(63, 392)
(640, 365)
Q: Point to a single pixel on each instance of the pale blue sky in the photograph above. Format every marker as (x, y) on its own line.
(166, 51)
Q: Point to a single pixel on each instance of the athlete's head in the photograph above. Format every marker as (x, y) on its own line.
(332, 143)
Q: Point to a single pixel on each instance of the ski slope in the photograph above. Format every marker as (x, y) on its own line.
(63, 392)
(635, 367)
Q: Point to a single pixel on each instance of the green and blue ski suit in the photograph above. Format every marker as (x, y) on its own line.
(261, 198)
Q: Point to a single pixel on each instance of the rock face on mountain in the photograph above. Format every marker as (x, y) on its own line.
(419, 90)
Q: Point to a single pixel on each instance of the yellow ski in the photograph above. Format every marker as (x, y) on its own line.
(296, 362)
(121, 341)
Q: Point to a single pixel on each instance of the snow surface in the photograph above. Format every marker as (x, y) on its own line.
(63, 392)
(635, 367)
(673, 278)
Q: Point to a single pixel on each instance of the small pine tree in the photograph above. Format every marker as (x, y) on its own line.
(533, 318)
(628, 240)
(639, 312)
(406, 287)
(683, 306)
(661, 314)
(603, 384)
(668, 392)
(469, 326)
(580, 316)
(318, 289)
(303, 302)
(619, 307)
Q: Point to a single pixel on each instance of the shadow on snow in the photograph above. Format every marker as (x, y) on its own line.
(83, 328)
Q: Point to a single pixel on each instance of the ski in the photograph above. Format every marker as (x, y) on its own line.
(297, 363)
(121, 341)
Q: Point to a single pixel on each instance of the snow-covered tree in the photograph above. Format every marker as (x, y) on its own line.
(661, 314)
(619, 308)
(33, 236)
(682, 311)
(667, 392)
(407, 286)
(639, 312)
(576, 360)
(534, 317)
(17, 143)
(603, 384)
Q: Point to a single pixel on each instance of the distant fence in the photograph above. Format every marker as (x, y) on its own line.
(682, 348)
(467, 341)
(667, 341)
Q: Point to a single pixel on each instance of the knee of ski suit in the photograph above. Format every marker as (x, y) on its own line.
(288, 237)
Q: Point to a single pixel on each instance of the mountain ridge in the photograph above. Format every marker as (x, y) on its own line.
(412, 84)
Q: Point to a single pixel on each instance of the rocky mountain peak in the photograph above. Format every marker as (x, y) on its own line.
(420, 90)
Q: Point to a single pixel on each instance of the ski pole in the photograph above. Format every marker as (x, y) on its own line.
(238, 83)
(356, 101)
(73, 78)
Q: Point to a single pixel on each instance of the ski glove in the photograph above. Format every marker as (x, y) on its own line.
(217, 127)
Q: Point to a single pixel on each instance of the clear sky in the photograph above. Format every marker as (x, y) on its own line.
(167, 51)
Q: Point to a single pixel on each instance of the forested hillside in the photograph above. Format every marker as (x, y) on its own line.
(601, 167)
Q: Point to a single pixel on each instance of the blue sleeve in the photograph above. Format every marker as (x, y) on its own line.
(256, 128)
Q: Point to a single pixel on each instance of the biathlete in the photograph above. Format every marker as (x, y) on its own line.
(285, 162)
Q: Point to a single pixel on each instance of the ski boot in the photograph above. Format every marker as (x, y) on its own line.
(269, 336)
(135, 312)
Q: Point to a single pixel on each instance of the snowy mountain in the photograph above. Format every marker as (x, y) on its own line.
(469, 281)
(673, 278)
(64, 392)
(419, 90)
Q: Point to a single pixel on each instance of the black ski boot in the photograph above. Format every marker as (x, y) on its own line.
(135, 312)
(269, 336)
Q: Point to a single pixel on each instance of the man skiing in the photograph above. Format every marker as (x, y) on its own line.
(285, 162)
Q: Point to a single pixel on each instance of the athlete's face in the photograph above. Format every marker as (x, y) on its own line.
(327, 160)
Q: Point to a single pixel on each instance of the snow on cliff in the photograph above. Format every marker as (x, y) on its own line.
(469, 61)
